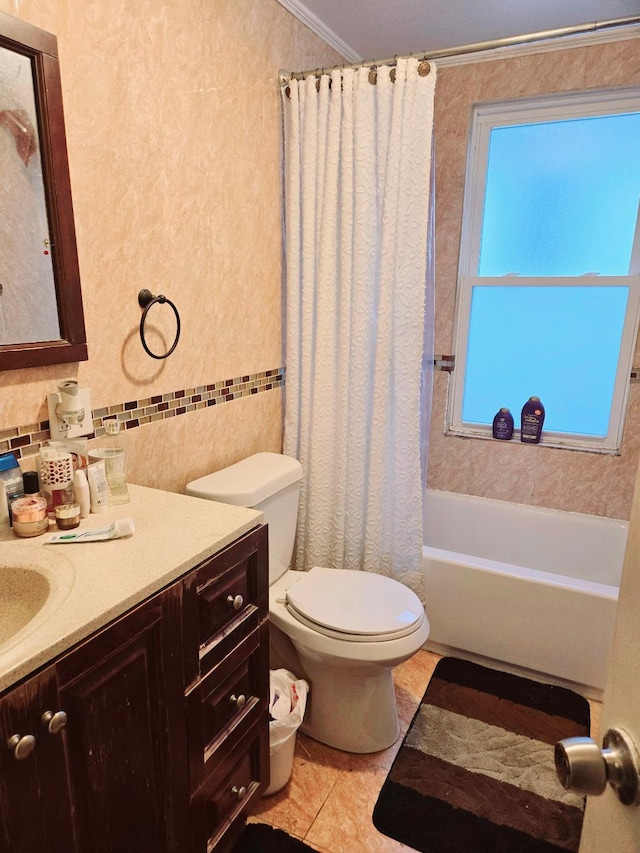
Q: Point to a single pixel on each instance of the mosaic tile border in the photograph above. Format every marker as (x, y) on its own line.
(26, 440)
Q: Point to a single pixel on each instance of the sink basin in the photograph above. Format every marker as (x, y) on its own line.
(33, 585)
(23, 594)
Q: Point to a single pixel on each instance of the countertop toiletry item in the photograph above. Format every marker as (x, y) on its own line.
(81, 492)
(30, 516)
(531, 422)
(503, 425)
(112, 449)
(11, 478)
(56, 477)
(4, 510)
(67, 516)
(31, 483)
(77, 447)
(116, 530)
(98, 491)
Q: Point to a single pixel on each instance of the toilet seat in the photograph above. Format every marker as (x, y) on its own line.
(354, 606)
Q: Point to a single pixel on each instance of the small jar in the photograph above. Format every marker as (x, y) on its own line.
(67, 516)
(29, 516)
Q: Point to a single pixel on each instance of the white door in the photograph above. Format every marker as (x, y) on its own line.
(610, 827)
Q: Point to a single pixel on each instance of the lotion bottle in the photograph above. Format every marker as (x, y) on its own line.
(532, 419)
(98, 489)
(81, 492)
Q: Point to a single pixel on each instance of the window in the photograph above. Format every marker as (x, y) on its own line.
(549, 285)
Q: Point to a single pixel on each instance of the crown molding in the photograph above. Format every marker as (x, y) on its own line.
(564, 42)
(315, 25)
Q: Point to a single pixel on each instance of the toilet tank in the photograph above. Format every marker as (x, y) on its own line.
(269, 482)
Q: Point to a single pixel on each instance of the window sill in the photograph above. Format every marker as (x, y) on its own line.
(558, 442)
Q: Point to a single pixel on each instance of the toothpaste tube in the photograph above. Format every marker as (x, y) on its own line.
(116, 530)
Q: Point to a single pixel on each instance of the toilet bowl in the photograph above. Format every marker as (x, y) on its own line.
(343, 631)
(352, 701)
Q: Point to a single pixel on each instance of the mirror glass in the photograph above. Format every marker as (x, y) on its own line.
(28, 309)
(41, 315)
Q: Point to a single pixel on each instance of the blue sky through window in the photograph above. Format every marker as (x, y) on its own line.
(562, 197)
(557, 343)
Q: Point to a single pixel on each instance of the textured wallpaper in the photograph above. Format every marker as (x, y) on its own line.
(173, 130)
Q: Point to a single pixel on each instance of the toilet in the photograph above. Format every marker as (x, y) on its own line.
(343, 631)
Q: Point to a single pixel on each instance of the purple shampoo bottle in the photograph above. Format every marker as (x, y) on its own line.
(531, 421)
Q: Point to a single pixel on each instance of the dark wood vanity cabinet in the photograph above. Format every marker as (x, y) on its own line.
(35, 807)
(226, 643)
(163, 741)
(126, 744)
(111, 775)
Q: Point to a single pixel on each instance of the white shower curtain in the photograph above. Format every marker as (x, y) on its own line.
(359, 343)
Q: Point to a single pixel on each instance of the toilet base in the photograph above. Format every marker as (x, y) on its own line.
(351, 706)
(355, 712)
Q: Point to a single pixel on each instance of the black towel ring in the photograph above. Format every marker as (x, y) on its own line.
(145, 300)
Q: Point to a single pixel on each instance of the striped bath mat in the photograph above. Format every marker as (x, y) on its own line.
(262, 838)
(475, 772)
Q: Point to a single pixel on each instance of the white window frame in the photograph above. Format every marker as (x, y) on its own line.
(485, 117)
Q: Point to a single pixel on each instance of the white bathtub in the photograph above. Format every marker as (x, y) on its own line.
(529, 587)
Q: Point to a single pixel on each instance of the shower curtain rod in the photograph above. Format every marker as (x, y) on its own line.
(476, 47)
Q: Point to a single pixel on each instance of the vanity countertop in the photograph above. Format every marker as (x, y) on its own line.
(92, 583)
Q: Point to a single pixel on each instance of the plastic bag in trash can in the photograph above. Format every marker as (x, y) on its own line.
(287, 703)
(288, 700)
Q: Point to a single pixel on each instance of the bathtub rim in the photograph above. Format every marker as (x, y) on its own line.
(607, 591)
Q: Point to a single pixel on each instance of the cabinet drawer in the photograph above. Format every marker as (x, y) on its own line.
(221, 601)
(226, 703)
(219, 805)
(225, 599)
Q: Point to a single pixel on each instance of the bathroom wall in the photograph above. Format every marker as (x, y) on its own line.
(562, 479)
(173, 131)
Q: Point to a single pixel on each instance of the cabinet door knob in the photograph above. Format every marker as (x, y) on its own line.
(235, 601)
(239, 701)
(54, 722)
(240, 793)
(22, 746)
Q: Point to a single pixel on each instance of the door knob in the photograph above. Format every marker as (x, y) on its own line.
(585, 768)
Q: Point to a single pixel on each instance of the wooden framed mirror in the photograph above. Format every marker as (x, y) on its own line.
(41, 314)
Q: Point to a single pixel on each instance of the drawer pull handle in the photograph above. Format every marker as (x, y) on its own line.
(239, 701)
(240, 793)
(22, 746)
(235, 601)
(54, 722)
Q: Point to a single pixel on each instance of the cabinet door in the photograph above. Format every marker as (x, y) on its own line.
(126, 743)
(35, 814)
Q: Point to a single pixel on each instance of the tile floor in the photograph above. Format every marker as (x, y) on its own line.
(330, 798)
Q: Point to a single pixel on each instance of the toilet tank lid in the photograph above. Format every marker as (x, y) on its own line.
(248, 482)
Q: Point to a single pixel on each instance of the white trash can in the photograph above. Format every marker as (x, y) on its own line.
(287, 702)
